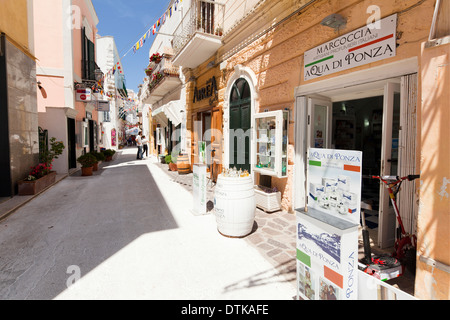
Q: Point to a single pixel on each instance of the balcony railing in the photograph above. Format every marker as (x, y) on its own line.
(204, 18)
(164, 78)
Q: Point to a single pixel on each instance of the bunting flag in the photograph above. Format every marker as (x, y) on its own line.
(139, 44)
(161, 21)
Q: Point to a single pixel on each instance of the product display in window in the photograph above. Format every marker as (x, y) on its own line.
(271, 143)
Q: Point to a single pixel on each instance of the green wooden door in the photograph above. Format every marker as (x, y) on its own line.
(240, 124)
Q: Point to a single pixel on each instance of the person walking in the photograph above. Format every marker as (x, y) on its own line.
(144, 146)
(139, 155)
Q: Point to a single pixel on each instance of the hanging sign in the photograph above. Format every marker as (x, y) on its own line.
(356, 48)
(83, 95)
(104, 106)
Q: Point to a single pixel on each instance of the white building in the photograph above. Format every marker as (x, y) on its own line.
(111, 103)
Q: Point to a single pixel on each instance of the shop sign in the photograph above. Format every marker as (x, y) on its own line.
(209, 91)
(83, 95)
(103, 106)
(357, 48)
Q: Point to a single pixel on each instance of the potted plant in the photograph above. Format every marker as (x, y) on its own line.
(41, 176)
(100, 157)
(156, 57)
(172, 165)
(109, 153)
(148, 71)
(87, 162)
(218, 31)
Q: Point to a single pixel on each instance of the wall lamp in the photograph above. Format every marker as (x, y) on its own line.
(43, 92)
(335, 21)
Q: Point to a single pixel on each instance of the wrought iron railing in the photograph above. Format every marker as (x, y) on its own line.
(203, 17)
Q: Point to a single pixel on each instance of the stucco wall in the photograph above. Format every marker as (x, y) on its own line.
(276, 58)
(14, 21)
(433, 220)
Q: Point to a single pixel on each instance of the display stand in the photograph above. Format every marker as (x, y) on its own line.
(327, 257)
(327, 230)
(199, 189)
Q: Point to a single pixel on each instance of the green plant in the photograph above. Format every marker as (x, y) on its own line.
(99, 155)
(168, 159)
(109, 152)
(56, 149)
(87, 160)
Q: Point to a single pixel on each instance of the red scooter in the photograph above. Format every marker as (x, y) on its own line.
(405, 244)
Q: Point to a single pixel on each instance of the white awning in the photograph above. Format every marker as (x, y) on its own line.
(171, 111)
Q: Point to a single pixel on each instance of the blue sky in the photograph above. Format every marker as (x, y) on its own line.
(127, 21)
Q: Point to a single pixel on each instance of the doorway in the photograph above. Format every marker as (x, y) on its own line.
(365, 118)
(240, 124)
(358, 125)
(71, 143)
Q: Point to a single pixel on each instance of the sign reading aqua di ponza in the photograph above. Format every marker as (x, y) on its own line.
(356, 48)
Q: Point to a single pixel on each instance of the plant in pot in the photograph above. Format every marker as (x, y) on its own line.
(172, 163)
(87, 162)
(156, 57)
(100, 157)
(41, 176)
(109, 153)
(148, 71)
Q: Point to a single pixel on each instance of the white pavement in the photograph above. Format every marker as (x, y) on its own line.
(172, 254)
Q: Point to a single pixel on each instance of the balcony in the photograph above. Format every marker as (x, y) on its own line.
(163, 79)
(199, 34)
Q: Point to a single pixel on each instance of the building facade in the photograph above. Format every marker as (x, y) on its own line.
(111, 106)
(354, 75)
(65, 33)
(19, 135)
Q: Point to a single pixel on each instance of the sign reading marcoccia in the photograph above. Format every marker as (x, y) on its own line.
(359, 47)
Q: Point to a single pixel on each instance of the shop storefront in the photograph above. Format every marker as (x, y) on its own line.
(204, 120)
(352, 88)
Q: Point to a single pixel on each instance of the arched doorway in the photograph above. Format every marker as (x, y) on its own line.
(240, 125)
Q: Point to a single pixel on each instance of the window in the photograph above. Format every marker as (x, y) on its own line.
(88, 57)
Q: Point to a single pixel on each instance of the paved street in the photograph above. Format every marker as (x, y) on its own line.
(128, 233)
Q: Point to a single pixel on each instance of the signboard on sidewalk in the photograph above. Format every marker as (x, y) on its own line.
(327, 232)
(359, 47)
(334, 183)
(327, 257)
(199, 189)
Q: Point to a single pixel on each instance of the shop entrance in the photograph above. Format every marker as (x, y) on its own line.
(240, 124)
(365, 118)
(358, 125)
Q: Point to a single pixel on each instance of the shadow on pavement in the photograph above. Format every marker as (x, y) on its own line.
(82, 222)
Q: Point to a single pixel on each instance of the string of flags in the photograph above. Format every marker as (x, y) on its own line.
(161, 21)
(118, 66)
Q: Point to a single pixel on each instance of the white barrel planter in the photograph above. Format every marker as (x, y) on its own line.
(234, 206)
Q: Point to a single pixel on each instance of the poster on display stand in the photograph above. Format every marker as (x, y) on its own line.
(327, 231)
(334, 182)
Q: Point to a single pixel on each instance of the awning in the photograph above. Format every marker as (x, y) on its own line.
(171, 111)
(133, 131)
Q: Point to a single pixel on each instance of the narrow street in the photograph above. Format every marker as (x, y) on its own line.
(127, 232)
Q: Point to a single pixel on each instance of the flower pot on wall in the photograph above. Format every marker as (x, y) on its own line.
(27, 188)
